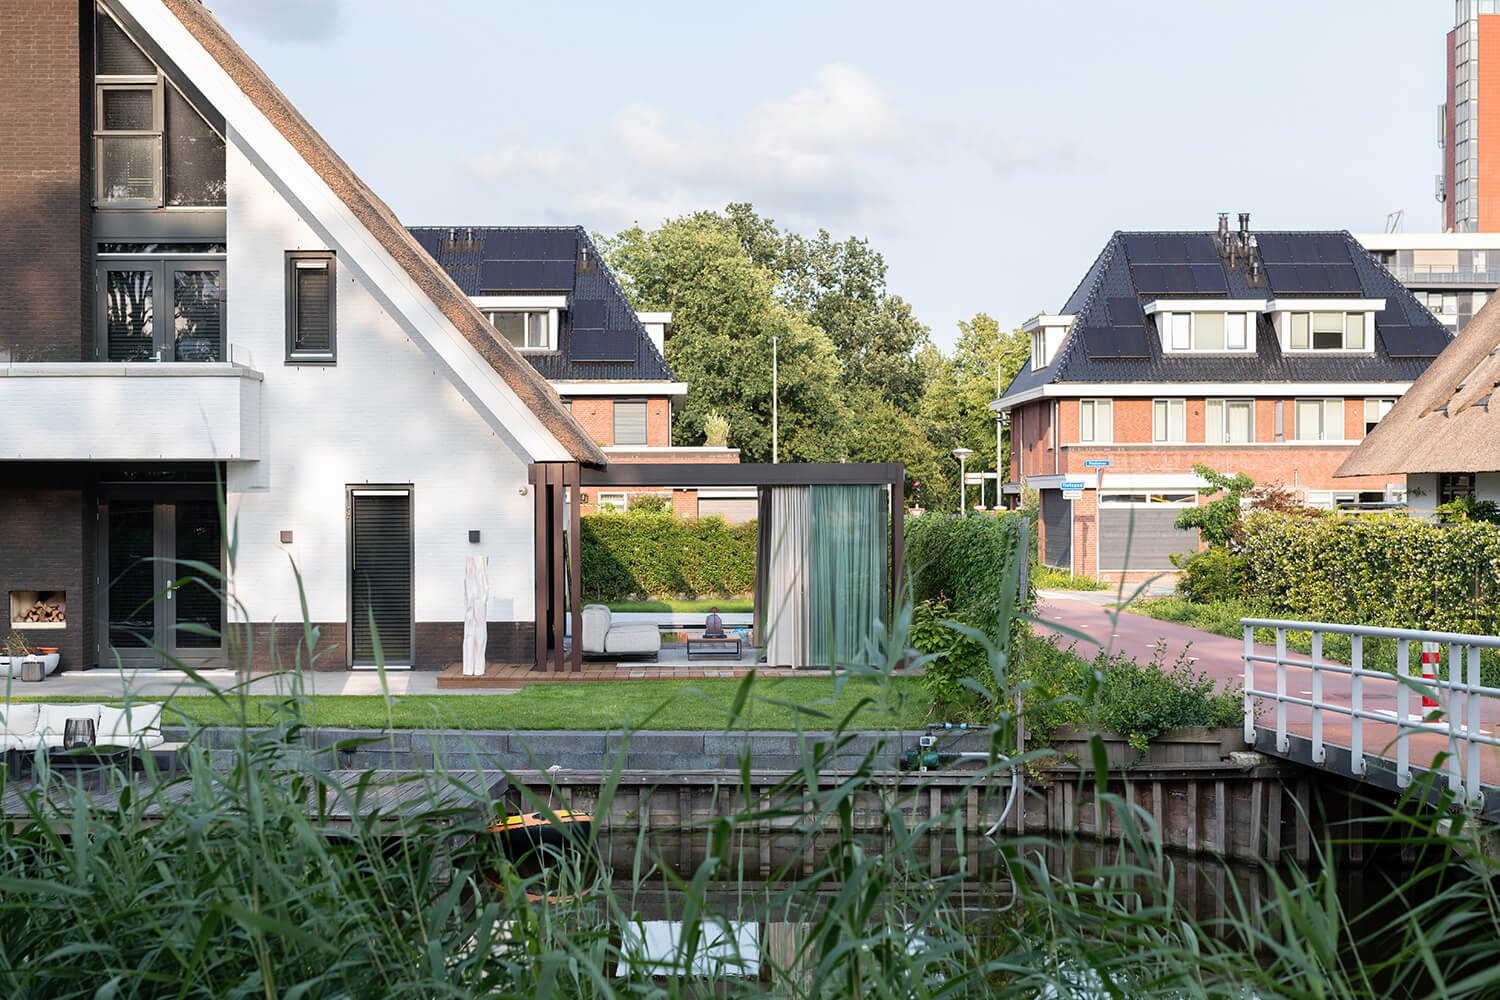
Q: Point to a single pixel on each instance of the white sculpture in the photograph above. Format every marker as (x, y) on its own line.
(476, 600)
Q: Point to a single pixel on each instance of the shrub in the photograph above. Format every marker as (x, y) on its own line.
(656, 554)
(1052, 578)
(955, 658)
(1375, 569)
(967, 562)
(1118, 694)
(1215, 574)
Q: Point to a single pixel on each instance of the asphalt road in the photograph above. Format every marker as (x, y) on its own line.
(1222, 658)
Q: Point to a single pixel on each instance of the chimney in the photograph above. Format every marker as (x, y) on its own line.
(1244, 230)
(1223, 229)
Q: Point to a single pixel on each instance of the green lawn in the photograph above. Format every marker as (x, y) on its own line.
(666, 704)
(726, 605)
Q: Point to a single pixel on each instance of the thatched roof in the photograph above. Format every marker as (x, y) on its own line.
(1450, 419)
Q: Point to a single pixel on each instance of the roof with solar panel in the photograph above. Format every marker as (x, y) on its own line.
(1115, 319)
(600, 336)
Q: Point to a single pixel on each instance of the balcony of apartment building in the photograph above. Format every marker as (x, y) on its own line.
(1419, 275)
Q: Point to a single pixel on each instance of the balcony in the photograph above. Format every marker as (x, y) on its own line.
(1453, 276)
(87, 411)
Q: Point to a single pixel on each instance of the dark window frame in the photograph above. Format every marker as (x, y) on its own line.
(295, 355)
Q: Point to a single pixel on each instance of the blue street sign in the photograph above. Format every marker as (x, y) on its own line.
(1068, 484)
(1096, 463)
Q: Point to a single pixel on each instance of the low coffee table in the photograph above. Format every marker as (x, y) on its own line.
(713, 645)
(85, 758)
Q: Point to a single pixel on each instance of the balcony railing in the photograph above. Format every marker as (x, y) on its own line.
(1411, 275)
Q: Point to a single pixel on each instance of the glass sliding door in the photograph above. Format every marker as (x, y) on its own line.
(163, 598)
(158, 309)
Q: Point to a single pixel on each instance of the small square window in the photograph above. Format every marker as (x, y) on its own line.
(1095, 421)
(311, 294)
(1168, 420)
(526, 330)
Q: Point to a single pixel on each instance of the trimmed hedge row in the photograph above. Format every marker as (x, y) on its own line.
(1374, 569)
(648, 554)
(966, 562)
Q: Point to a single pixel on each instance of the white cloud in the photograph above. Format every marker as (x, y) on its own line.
(522, 161)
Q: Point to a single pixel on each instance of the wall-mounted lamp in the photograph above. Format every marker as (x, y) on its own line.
(523, 490)
(474, 536)
(286, 538)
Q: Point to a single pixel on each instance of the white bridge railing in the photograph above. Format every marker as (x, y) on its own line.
(1453, 661)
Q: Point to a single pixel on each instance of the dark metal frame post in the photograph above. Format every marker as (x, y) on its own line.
(540, 570)
(575, 564)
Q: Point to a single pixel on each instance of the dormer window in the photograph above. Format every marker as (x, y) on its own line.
(1206, 326)
(1047, 333)
(1311, 326)
(526, 329)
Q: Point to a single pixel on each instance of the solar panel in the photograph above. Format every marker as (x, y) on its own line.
(1412, 342)
(1125, 310)
(1313, 279)
(588, 314)
(603, 345)
(1116, 342)
(530, 244)
(527, 275)
(1179, 279)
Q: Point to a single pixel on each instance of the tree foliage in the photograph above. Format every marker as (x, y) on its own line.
(859, 378)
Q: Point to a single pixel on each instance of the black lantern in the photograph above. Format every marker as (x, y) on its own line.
(78, 733)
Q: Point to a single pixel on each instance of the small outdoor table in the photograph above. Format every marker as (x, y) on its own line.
(720, 645)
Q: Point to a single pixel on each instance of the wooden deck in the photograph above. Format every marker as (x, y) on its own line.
(344, 796)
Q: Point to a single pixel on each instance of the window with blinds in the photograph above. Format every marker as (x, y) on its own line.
(310, 299)
(380, 569)
(630, 422)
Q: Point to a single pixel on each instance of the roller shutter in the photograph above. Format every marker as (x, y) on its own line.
(735, 510)
(1057, 530)
(1150, 535)
(381, 574)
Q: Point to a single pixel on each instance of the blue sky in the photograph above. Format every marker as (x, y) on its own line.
(988, 149)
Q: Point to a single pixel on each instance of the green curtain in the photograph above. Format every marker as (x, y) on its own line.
(847, 551)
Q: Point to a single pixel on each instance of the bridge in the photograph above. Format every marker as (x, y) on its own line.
(1348, 716)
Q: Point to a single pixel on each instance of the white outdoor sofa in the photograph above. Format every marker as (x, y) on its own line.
(28, 725)
(602, 637)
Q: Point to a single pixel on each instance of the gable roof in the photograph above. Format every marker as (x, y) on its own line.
(1113, 340)
(1449, 421)
(386, 230)
(601, 336)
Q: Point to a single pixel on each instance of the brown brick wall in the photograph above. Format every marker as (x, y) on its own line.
(596, 415)
(46, 543)
(44, 198)
(437, 645)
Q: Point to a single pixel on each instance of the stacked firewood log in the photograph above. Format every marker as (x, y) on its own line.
(40, 613)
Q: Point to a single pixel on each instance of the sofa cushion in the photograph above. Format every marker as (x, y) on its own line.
(126, 725)
(19, 717)
(596, 619)
(633, 639)
(52, 722)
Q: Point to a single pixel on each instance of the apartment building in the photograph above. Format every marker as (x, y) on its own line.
(1271, 354)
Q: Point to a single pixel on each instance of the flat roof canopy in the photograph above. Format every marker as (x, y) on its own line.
(750, 474)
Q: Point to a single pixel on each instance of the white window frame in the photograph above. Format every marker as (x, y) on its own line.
(1179, 331)
(1162, 430)
(1381, 405)
(549, 320)
(612, 503)
(1365, 321)
(1220, 434)
(1093, 407)
(1325, 405)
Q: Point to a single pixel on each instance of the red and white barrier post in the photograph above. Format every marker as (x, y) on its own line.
(1431, 657)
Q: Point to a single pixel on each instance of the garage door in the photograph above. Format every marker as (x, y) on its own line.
(1144, 522)
(1057, 530)
(735, 510)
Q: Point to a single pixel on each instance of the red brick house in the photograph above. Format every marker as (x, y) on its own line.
(1271, 354)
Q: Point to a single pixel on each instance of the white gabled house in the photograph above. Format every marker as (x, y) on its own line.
(214, 296)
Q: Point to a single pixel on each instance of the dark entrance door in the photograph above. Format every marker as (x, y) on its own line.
(380, 577)
(161, 599)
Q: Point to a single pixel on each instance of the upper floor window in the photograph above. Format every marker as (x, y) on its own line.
(1038, 349)
(152, 148)
(1375, 411)
(1228, 421)
(1328, 331)
(310, 316)
(1168, 420)
(1096, 421)
(630, 422)
(1209, 331)
(527, 330)
(1319, 420)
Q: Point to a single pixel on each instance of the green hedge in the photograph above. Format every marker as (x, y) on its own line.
(650, 554)
(1375, 569)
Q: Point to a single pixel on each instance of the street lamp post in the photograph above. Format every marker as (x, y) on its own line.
(962, 454)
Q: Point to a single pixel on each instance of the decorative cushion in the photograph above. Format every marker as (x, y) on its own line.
(596, 618)
(52, 722)
(19, 718)
(128, 725)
